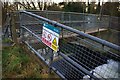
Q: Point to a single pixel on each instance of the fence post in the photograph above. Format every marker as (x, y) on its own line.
(13, 27)
(109, 22)
(84, 26)
(10, 25)
(51, 59)
(21, 30)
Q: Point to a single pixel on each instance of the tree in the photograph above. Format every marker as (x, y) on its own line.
(4, 12)
(98, 8)
(92, 8)
(73, 7)
(111, 8)
(54, 7)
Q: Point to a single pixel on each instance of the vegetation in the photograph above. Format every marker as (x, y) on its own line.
(6, 40)
(18, 64)
(54, 7)
(74, 7)
(111, 9)
(108, 8)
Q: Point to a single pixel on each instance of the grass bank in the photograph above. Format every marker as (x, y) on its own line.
(17, 64)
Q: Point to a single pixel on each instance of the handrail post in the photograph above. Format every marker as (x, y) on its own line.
(21, 30)
(10, 25)
(51, 60)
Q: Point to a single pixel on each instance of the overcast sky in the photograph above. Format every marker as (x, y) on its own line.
(57, 1)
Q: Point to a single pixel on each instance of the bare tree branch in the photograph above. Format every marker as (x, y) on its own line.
(28, 5)
(33, 5)
(39, 5)
(21, 4)
(43, 5)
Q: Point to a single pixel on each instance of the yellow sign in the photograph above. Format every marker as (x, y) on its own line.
(54, 41)
(50, 36)
(54, 44)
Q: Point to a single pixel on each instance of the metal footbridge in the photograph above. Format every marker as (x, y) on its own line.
(80, 55)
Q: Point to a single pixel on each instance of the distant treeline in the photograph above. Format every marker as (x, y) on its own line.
(108, 8)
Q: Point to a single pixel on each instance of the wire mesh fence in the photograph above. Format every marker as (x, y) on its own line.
(82, 21)
(97, 59)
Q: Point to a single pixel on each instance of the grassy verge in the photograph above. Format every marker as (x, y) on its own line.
(18, 64)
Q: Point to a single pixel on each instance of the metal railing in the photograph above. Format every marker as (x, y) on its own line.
(6, 27)
(82, 21)
(80, 55)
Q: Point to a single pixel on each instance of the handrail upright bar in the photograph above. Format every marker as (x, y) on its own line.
(101, 41)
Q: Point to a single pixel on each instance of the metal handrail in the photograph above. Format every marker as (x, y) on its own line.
(64, 56)
(60, 53)
(101, 41)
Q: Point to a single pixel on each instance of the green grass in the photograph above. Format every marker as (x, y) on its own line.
(16, 63)
(13, 58)
(6, 40)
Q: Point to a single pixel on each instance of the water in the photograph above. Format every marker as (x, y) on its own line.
(112, 36)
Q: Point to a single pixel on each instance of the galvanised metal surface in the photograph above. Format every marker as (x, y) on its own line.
(80, 55)
(42, 20)
(7, 27)
(82, 21)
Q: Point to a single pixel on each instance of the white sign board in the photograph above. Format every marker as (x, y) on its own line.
(50, 36)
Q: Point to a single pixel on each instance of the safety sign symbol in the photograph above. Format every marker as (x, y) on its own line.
(54, 44)
(50, 36)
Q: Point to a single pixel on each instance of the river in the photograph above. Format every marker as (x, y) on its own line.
(109, 35)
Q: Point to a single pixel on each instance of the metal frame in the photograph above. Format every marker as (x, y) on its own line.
(68, 60)
(104, 42)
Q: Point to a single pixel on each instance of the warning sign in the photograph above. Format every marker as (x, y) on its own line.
(54, 44)
(50, 36)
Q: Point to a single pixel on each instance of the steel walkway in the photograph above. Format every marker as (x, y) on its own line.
(79, 56)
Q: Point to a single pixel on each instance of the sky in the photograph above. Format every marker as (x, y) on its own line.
(57, 1)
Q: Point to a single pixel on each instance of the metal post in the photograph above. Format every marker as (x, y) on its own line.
(46, 14)
(92, 74)
(21, 30)
(62, 32)
(51, 59)
(42, 52)
(84, 26)
(109, 22)
(62, 18)
(69, 19)
(10, 26)
(103, 46)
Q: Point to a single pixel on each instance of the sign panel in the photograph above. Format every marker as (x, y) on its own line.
(50, 36)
